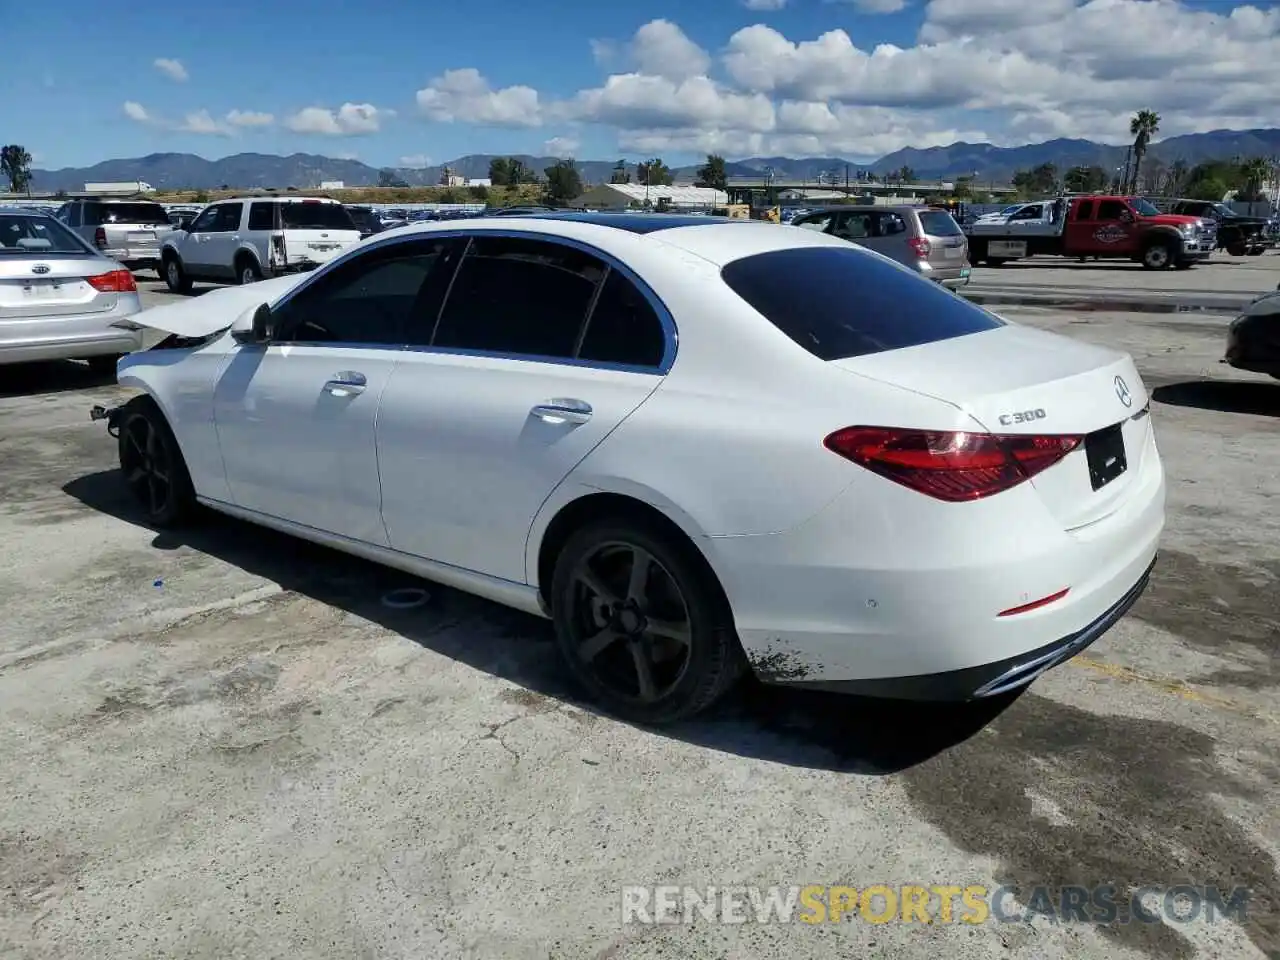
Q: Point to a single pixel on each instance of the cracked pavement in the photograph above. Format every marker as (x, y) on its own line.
(257, 757)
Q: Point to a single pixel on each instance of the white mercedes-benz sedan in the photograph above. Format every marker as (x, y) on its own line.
(700, 446)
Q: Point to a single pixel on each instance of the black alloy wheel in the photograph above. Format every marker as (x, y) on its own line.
(152, 465)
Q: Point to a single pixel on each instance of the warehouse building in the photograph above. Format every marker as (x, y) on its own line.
(624, 196)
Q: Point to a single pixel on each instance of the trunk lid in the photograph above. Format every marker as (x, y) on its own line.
(1020, 380)
(57, 290)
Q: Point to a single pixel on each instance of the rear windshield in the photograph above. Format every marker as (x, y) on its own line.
(939, 223)
(839, 302)
(37, 235)
(315, 216)
(152, 214)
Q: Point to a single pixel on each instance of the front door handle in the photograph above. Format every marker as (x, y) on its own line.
(346, 384)
(562, 410)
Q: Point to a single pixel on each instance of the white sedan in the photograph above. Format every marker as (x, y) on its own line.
(698, 445)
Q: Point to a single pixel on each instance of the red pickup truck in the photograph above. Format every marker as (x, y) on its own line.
(1101, 227)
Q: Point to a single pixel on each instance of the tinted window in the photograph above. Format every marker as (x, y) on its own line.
(818, 223)
(205, 221)
(98, 214)
(837, 302)
(854, 226)
(36, 235)
(939, 223)
(1110, 209)
(228, 218)
(519, 296)
(370, 298)
(1144, 207)
(315, 216)
(891, 224)
(1085, 210)
(262, 216)
(623, 327)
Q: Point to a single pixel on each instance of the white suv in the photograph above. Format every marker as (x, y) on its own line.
(247, 239)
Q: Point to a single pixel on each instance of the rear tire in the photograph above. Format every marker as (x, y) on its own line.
(152, 465)
(175, 277)
(605, 620)
(1237, 249)
(1158, 256)
(247, 270)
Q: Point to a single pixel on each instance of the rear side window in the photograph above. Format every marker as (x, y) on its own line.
(315, 216)
(519, 297)
(623, 327)
(228, 218)
(1085, 210)
(262, 216)
(839, 302)
(939, 223)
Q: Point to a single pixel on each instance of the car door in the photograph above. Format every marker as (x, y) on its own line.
(296, 416)
(197, 247)
(218, 250)
(540, 350)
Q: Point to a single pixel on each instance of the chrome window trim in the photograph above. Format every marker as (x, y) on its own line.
(670, 333)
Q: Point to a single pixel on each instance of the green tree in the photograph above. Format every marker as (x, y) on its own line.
(712, 173)
(620, 174)
(1042, 180)
(1254, 173)
(1085, 179)
(15, 163)
(563, 182)
(1144, 125)
(904, 174)
(388, 178)
(500, 171)
(479, 193)
(1207, 188)
(203, 197)
(653, 173)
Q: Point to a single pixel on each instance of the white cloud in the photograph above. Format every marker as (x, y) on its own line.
(173, 69)
(249, 118)
(415, 161)
(660, 48)
(349, 120)
(464, 96)
(136, 112)
(201, 122)
(561, 147)
(764, 6)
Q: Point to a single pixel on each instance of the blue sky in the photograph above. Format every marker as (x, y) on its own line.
(405, 83)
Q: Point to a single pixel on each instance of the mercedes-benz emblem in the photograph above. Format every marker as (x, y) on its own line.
(40, 268)
(1122, 391)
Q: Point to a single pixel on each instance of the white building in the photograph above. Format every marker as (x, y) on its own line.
(480, 182)
(622, 196)
(332, 184)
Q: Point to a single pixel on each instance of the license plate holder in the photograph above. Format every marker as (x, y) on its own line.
(1104, 449)
(44, 290)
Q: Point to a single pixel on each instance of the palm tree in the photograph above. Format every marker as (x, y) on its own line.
(1255, 173)
(1144, 125)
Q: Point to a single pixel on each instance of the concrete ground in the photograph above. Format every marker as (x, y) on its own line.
(220, 743)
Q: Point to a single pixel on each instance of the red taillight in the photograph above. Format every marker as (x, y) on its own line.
(100, 239)
(921, 246)
(950, 465)
(117, 281)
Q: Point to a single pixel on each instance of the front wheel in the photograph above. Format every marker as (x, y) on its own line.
(1237, 249)
(152, 464)
(175, 277)
(1158, 256)
(641, 623)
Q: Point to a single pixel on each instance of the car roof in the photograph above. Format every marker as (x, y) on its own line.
(291, 199)
(718, 240)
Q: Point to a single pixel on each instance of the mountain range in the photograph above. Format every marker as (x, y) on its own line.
(991, 163)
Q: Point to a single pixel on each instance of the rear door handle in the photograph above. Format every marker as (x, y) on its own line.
(563, 410)
(346, 384)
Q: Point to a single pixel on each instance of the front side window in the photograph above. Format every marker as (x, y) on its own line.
(372, 298)
(519, 296)
(204, 223)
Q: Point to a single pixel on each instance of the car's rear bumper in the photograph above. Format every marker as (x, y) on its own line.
(135, 258)
(33, 339)
(990, 679)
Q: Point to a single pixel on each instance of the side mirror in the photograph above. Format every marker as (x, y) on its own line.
(254, 325)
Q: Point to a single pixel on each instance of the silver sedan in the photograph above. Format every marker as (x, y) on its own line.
(60, 298)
